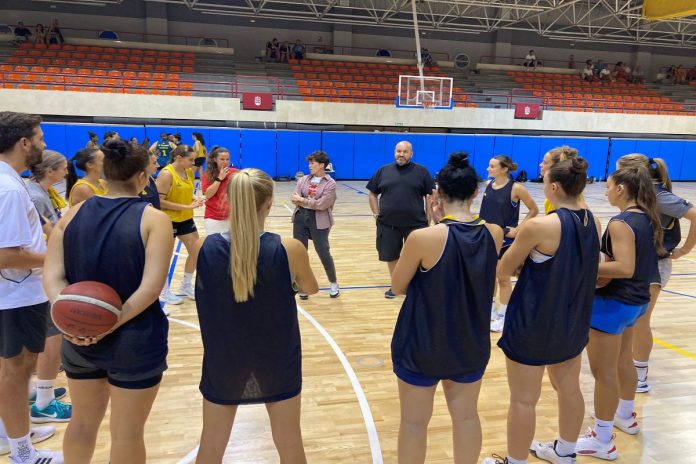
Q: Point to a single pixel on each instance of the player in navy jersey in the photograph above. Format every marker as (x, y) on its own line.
(447, 272)
(548, 319)
(631, 243)
(248, 318)
(123, 242)
(150, 193)
(500, 205)
(672, 208)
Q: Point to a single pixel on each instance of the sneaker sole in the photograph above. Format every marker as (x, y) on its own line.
(47, 420)
(335, 295)
(594, 454)
(645, 389)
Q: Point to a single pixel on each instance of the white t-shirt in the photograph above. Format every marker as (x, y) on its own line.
(604, 72)
(530, 57)
(587, 72)
(21, 227)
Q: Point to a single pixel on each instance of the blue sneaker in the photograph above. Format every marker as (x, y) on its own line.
(56, 411)
(389, 294)
(59, 393)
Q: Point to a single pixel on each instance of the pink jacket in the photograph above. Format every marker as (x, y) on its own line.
(322, 202)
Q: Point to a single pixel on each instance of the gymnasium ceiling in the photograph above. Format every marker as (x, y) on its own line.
(613, 21)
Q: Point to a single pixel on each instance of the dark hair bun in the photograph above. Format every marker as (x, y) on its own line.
(116, 150)
(578, 165)
(459, 160)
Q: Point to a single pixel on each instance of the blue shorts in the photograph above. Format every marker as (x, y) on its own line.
(613, 317)
(419, 380)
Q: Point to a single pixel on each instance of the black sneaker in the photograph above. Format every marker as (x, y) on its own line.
(389, 294)
(303, 296)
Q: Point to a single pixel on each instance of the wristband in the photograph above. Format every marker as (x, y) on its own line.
(217, 179)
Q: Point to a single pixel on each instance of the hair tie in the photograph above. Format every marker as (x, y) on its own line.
(651, 161)
(74, 163)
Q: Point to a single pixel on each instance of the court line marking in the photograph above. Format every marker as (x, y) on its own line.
(359, 192)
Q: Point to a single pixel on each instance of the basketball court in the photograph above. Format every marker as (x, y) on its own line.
(350, 406)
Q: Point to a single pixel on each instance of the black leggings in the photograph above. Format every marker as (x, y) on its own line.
(304, 227)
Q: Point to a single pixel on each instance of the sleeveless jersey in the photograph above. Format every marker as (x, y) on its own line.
(443, 327)
(251, 350)
(634, 290)
(181, 192)
(200, 153)
(498, 208)
(548, 317)
(150, 194)
(103, 243)
(164, 151)
(549, 208)
(100, 191)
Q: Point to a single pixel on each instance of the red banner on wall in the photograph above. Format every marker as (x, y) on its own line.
(527, 111)
(257, 101)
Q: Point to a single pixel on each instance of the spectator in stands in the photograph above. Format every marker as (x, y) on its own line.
(93, 141)
(283, 52)
(588, 73)
(627, 71)
(426, 57)
(691, 75)
(605, 75)
(637, 75)
(530, 61)
(21, 33)
(571, 62)
(272, 49)
(679, 75)
(618, 71)
(598, 68)
(670, 72)
(54, 34)
(298, 50)
(40, 35)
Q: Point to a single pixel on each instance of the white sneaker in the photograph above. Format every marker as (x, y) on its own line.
(589, 445)
(42, 457)
(169, 298)
(498, 323)
(187, 290)
(547, 452)
(495, 460)
(494, 313)
(643, 387)
(37, 435)
(334, 292)
(629, 426)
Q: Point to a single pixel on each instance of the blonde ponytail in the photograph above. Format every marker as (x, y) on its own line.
(249, 190)
(655, 166)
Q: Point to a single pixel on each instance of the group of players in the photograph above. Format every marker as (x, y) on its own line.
(247, 279)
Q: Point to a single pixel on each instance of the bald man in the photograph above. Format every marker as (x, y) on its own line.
(397, 200)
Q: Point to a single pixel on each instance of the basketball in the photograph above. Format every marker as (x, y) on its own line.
(603, 281)
(86, 309)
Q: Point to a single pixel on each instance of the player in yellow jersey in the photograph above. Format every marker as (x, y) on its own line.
(91, 161)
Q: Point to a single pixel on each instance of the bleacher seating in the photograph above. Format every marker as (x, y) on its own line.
(97, 69)
(355, 82)
(569, 93)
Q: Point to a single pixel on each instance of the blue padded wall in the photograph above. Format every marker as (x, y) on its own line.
(368, 154)
(430, 150)
(485, 145)
(309, 142)
(688, 167)
(259, 150)
(525, 152)
(340, 148)
(287, 153)
(620, 147)
(228, 138)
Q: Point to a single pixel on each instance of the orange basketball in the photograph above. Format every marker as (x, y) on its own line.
(603, 281)
(86, 309)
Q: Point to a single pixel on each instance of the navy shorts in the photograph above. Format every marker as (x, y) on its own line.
(184, 227)
(419, 380)
(390, 240)
(23, 327)
(613, 317)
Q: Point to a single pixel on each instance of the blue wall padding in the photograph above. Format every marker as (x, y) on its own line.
(340, 147)
(368, 154)
(259, 150)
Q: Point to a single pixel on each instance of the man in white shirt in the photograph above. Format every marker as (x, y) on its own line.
(530, 60)
(24, 306)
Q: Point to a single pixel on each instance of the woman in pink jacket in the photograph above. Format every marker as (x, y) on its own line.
(314, 199)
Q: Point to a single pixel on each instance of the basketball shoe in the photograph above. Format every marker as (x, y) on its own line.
(498, 323)
(643, 387)
(629, 426)
(37, 435)
(547, 452)
(58, 393)
(56, 411)
(334, 291)
(187, 290)
(495, 460)
(589, 445)
(167, 297)
(41, 457)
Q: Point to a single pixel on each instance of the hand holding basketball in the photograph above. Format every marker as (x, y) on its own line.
(603, 281)
(86, 310)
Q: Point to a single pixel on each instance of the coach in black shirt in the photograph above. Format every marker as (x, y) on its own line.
(397, 200)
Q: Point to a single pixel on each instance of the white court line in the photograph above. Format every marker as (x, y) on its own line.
(288, 208)
(372, 436)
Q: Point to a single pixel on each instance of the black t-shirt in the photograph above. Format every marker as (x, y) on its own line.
(401, 190)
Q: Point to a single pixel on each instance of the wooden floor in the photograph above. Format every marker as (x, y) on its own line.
(351, 409)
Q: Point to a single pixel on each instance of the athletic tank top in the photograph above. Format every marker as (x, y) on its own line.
(548, 317)
(201, 151)
(670, 225)
(443, 326)
(634, 290)
(150, 194)
(103, 242)
(498, 208)
(251, 350)
(180, 192)
(164, 150)
(100, 191)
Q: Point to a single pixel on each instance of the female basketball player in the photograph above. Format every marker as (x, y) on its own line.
(175, 187)
(248, 318)
(632, 242)
(672, 208)
(552, 157)
(150, 193)
(91, 161)
(314, 198)
(201, 153)
(214, 184)
(52, 168)
(500, 205)
(129, 248)
(548, 319)
(447, 272)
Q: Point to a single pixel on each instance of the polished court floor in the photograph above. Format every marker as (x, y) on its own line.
(350, 402)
